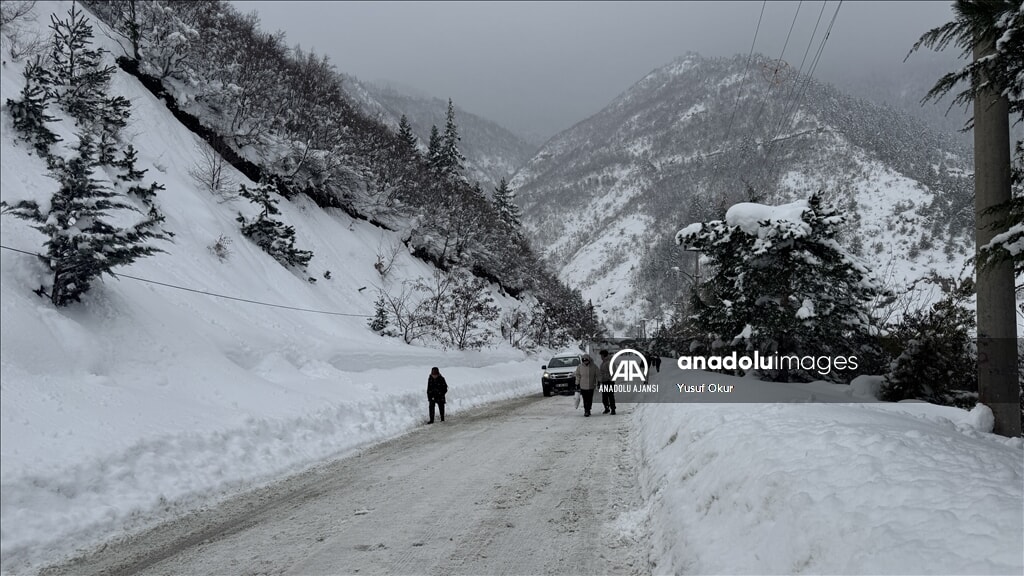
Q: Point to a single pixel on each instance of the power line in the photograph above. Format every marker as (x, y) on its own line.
(807, 81)
(246, 300)
(739, 92)
(746, 67)
(814, 66)
(771, 82)
(791, 96)
(796, 79)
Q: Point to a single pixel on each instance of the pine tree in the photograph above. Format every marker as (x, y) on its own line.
(81, 244)
(80, 79)
(503, 200)
(132, 175)
(379, 322)
(1007, 245)
(935, 361)
(784, 286)
(106, 148)
(127, 163)
(1003, 20)
(29, 113)
(450, 158)
(406, 139)
(434, 159)
(273, 236)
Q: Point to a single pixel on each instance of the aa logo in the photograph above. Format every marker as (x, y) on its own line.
(629, 369)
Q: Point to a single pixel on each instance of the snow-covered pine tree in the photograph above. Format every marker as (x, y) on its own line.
(503, 200)
(450, 158)
(132, 176)
(434, 159)
(29, 113)
(379, 322)
(406, 139)
(80, 80)
(1004, 68)
(780, 283)
(81, 243)
(273, 236)
(1008, 245)
(936, 358)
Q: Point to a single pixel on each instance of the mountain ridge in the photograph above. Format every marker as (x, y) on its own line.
(492, 151)
(699, 134)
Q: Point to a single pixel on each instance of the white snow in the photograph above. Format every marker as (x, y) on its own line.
(1006, 240)
(889, 221)
(795, 488)
(749, 215)
(806, 309)
(606, 266)
(146, 401)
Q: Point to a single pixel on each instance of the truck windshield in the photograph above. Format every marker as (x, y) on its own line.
(564, 362)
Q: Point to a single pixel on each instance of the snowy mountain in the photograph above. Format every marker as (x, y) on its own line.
(210, 374)
(904, 86)
(492, 152)
(605, 197)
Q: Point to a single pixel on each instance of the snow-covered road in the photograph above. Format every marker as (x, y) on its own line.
(523, 486)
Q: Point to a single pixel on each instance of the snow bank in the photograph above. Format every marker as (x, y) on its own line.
(829, 489)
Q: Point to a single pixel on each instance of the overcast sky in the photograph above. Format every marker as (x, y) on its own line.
(540, 67)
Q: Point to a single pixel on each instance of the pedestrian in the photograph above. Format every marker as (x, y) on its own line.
(607, 395)
(437, 387)
(657, 363)
(586, 382)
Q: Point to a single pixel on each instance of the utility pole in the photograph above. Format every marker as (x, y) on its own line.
(998, 385)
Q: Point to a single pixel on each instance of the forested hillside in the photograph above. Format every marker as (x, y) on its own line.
(492, 152)
(279, 115)
(700, 134)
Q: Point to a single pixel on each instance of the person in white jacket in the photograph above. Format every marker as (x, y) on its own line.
(586, 382)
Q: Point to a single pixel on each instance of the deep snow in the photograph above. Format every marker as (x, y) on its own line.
(145, 401)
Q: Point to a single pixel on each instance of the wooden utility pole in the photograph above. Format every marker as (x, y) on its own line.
(998, 383)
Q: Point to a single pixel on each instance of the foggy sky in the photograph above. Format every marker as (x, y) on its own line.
(540, 67)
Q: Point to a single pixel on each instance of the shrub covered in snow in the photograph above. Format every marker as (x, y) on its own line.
(780, 283)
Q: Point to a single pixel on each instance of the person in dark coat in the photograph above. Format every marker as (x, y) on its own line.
(437, 387)
(608, 380)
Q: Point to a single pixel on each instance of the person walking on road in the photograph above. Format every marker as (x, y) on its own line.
(607, 396)
(437, 387)
(586, 382)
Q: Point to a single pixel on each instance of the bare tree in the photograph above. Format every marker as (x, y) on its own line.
(386, 256)
(221, 248)
(211, 172)
(407, 311)
(23, 44)
(515, 327)
(11, 11)
(439, 289)
(19, 42)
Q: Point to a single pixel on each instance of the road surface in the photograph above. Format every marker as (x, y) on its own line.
(528, 486)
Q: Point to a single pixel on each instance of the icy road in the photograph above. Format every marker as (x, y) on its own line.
(528, 486)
